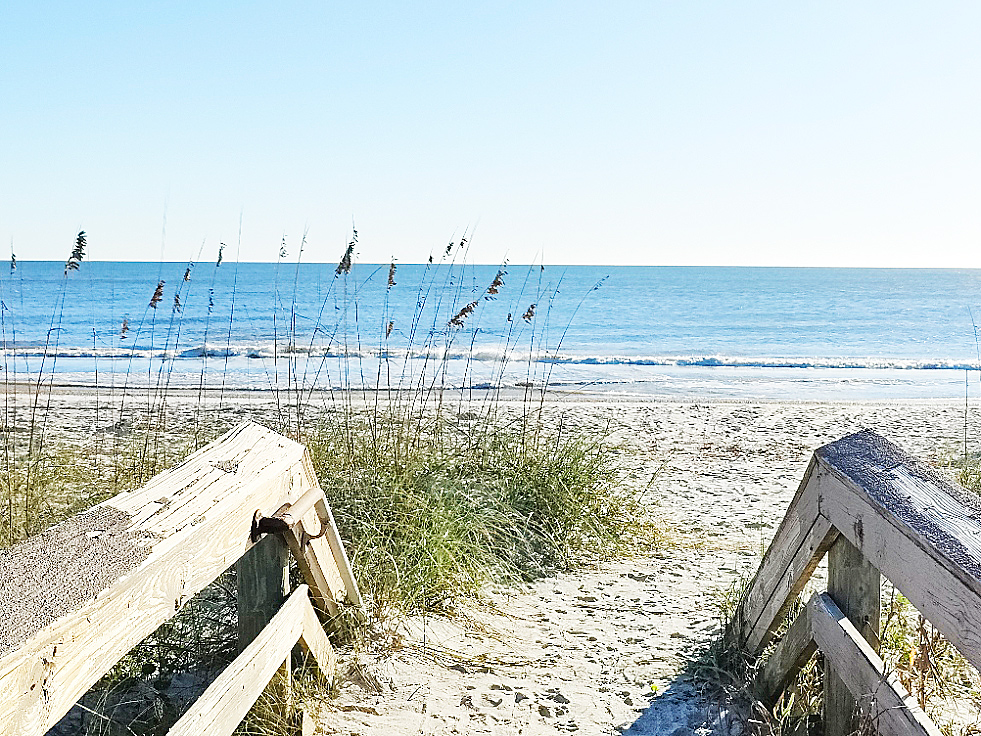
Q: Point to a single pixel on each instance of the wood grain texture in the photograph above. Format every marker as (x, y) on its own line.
(308, 726)
(882, 698)
(317, 547)
(314, 640)
(800, 542)
(262, 577)
(194, 520)
(316, 564)
(787, 659)
(220, 709)
(855, 587)
(922, 532)
(886, 512)
(341, 562)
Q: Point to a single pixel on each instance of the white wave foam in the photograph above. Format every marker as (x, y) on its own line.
(268, 351)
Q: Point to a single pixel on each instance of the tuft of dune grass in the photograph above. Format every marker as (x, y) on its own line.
(434, 517)
(431, 506)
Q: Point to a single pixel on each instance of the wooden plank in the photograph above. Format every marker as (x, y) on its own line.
(855, 587)
(921, 531)
(317, 567)
(263, 585)
(315, 641)
(316, 545)
(262, 575)
(891, 709)
(787, 659)
(308, 726)
(333, 538)
(800, 542)
(221, 708)
(78, 597)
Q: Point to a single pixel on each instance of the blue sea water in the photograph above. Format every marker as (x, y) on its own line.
(781, 333)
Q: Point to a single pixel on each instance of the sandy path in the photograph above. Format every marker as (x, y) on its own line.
(603, 651)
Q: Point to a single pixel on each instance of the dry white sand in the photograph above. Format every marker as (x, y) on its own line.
(605, 650)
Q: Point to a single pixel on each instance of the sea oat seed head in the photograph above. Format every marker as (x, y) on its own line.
(157, 294)
(495, 287)
(345, 265)
(458, 320)
(78, 253)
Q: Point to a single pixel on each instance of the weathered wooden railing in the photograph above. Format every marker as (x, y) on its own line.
(76, 598)
(872, 508)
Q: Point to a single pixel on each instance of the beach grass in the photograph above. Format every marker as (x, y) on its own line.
(430, 510)
(435, 495)
(464, 501)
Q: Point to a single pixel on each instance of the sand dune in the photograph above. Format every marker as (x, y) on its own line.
(605, 650)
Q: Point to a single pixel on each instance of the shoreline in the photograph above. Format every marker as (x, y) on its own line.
(510, 395)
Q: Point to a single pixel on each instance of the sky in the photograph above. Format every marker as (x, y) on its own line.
(652, 132)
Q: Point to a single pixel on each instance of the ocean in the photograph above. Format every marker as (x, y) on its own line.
(632, 332)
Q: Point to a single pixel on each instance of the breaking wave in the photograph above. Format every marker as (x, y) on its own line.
(270, 351)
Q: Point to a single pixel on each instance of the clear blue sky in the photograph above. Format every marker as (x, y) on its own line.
(654, 132)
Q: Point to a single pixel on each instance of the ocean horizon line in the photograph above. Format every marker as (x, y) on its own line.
(506, 264)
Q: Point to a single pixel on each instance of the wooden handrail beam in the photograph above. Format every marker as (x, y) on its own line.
(76, 598)
(882, 698)
(920, 530)
(801, 540)
(882, 511)
(219, 710)
(787, 659)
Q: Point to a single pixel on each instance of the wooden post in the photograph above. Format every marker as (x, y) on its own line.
(263, 585)
(263, 575)
(854, 585)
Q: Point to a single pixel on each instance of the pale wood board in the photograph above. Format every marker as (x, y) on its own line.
(317, 566)
(914, 528)
(893, 710)
(315, 640)
(221, 708)
(196, 518)
(317, 547)
(797, 547)
(788, 657)
(341, 562)
(855, 587)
